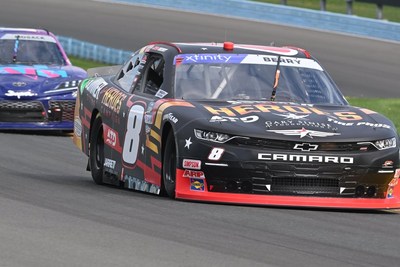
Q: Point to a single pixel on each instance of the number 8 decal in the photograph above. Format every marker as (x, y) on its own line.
(216, 153)
(132, 135)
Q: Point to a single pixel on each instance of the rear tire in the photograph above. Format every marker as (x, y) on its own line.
(96, 151)
(169, 165)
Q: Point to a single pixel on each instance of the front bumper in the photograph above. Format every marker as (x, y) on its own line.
(196, 189)
(63, 126)
(53, 114)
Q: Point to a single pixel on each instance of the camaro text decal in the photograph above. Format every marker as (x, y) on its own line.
(305, 158)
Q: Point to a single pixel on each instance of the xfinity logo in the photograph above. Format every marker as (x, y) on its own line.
(305, 147)
(305, 158)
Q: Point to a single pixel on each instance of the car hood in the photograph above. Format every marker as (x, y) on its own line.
(25, 81)
(293, 122)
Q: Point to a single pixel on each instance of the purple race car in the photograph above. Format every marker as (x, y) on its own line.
(38, 84)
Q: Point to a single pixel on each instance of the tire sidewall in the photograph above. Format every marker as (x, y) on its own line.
(96, 168)
(169, 165)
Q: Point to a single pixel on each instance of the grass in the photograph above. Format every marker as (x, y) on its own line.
(385, 106)
(85, 64)
(361, 9)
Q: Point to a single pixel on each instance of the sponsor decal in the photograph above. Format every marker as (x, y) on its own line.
(387, 164)
(113, 99)
(197, 184)
(148, 118)
(78, 127)
(292, 62)
(246, 59)
(193, 174)
(306, 147)
(191, 164)
(305, 158)
(360, 123)
(247, 119)
(170, 117)
(302, 123)
(161, 93)
(159, 49)
(390, 192)
(109, 163)
(94, 86)
(262, 107)
(111, 137)
(140, 185)
(292, 116)
(13, 36)
(208, 58)
(304, 133)
(188, 142)
(20, 94)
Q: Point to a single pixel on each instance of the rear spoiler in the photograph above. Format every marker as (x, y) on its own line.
(104, 71)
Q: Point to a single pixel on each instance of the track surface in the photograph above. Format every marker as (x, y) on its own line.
(52, 214)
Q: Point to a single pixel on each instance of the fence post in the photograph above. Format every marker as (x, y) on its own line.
(379, 11)
(323, 5)
(349, 7)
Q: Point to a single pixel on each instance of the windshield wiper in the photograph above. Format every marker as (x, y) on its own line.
(276, 80)
(16, 45)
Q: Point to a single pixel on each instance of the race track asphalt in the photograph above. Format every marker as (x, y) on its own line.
(52, 214)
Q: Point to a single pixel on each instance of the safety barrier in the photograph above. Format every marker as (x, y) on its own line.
(278, 14)
(92, 51)
(284, 15)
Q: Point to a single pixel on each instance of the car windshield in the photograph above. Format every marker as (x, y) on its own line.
(13, 51)
(252, 77)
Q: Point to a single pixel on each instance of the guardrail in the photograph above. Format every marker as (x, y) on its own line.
(92, 51)
(281, 14)
(271, 13)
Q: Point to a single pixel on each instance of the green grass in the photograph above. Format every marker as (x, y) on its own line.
(85, 64)
(360, 9)
(388, 107)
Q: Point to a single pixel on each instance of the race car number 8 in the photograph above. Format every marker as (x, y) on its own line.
(216, 153)
(132, 135)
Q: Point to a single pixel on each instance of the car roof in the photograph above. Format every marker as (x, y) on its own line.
(24, 30)
(229, 47)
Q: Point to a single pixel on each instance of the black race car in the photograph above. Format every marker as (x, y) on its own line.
(235, 123)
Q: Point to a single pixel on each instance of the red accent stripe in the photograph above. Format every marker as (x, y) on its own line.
(150, 174)
(167, 43)
(183, 192)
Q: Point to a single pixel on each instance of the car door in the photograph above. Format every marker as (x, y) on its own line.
(140, 145)
(116, 110)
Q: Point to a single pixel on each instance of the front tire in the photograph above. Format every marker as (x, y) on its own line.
(169, 165)
(96, 151)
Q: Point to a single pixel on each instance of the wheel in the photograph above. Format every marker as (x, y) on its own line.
(96, 151)
(169, 166)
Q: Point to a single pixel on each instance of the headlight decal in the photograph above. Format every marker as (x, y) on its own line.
(212, 136)
(66, 86)
(382, 144)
